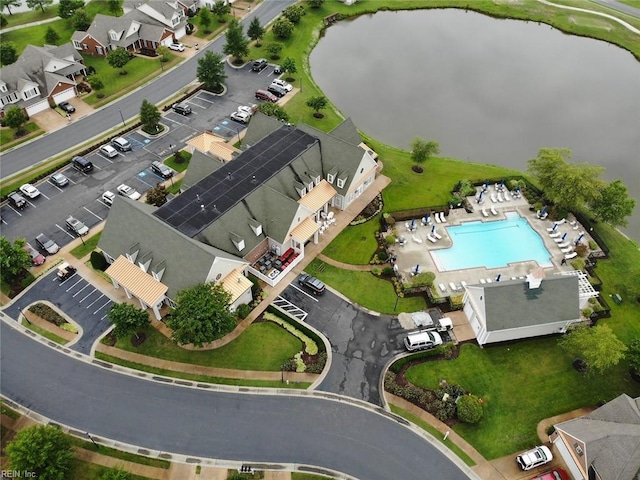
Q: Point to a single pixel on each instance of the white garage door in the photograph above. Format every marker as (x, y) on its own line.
(38, 107)
(566, 456)
(62, 96)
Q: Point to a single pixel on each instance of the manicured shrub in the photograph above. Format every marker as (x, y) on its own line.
(424, 279)
(47, 313)
(319, 364)
(376, 271)
(581, 250)
(309, 345)
(390, 239)
(388, 271)
(469, 409)
(383, 256)
(98, 262)
(243, 310)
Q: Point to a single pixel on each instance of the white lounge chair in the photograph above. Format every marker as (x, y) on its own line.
(416, 239)
(437, 217)
(551, 229)
(566, 250)
(571, 255)
(493, 211)
(558, 240)
(443, 219)
(484, 212)
(431, 239)
(443, 287)
(489, 280)
(555, 235)
(560, 222)
(500, 199)
(564, 244)
(482, 280)
(493, 197)
(507, 197)
(463, 283)
(437, 235)
(453, 287)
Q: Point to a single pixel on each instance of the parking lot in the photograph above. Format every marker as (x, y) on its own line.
(81, 198)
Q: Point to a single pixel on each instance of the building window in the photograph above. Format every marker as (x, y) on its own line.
(77, 44)
(330, 178)
(100, 50)
(341, 183)
(32, 92)
(3, 87)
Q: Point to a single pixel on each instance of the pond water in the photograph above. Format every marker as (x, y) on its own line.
(490, 91)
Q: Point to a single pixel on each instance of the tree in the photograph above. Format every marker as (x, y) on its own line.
(255, 31)
(633, 354)
(294, 13)
(282, 28)
(221, 9)
(66, 8)
(469, 409)
(14, 259)
(597, 346)
(149, 117)
(273, 110)
(237, 44)
(80, 20)
(35, 4)
(115, 474)
(127, 319)
(43, 450)
(114, 6)
(8, 4)
(274, 49)
(205, 19)
(289, 67)
(317, 103)
(51, 37)
(3, 21)
(15, 118)
(164, 52)
(118, 58)
(315, 3)
(421, 150)
(8, 54)
(613, 204)
(202, 314)
(96, 82)
(211, 71)
(157, 195)
(566, 185)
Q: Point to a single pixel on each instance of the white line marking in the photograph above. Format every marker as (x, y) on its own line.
(92, 292)
(31, 204)
(95, 300)
(102, 156)
(79, 280)
(65, 231)
(44, 196)
(54, 185)
(99, 218)
(103, 305)
(300, 290)
(78, 292)
(19, 214)
(100, 201)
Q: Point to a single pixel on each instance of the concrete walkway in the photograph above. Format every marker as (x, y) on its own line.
(32, 24)
(584, 10)
(344, 266)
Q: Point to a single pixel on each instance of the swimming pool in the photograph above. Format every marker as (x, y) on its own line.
(492, 245)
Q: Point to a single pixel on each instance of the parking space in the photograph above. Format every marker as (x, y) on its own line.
(77, 298)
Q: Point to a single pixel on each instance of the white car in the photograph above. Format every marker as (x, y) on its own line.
(242, 117)
(29, 190)
(108, 151)
(108, 197)
(127, 191)
(177, 46)
(250, 109)
(77, 226)
(282, 84)
(534, 457)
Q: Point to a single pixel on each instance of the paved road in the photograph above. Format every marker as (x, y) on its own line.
(251, 428)
(623, 7)
(108, 117)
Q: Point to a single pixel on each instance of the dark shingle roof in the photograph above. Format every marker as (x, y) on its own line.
(348, 132)
(200, 166)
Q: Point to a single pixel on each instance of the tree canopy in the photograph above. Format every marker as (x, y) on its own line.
(273, 49)
(289, 66)
(8, 4)
(66, 8)
(614, 204)
(255, 31)
(315, 3)
(597, 346)
(282, 28)
(157, 196)
(51, 37)
(294, 13)
(115, 474)
(421, 150)
(237, 44)
(14, 259)
(14, 117)
(35, 4)
(80, 20)
(149, 116)
(211, 71)
(220, 9)
(273, 110)
(118, 58)
(205, 19)
(43, 450)
(202, 314)
(8, 53)
(127, 319)
(317, 103)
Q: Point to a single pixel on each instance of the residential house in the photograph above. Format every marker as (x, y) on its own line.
(604, 444)
(144, 25)
(515, 309)
(259, 209)
(41, 77)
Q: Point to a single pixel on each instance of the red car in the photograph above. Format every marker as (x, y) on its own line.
(264, 95)
(36, 257)
(556, 474)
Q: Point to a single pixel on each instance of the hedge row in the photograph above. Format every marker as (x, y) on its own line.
(300, 326)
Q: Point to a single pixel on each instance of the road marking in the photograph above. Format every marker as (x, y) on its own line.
(102, 156)
(99, 218)
(78, 292)
(96, 166)
(65, 231)
(79, 280)
(95, 300)
(54, 185)
(19, 214)
(44, 196)
(142, 181)
(290, 308)
(100, 201)
(92, 292)
(31, 204)
(103, 305)
(302, 291)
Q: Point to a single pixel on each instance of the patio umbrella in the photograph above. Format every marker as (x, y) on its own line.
(502, 184)
(433, 228)
(543, 211)
(555, 225)
(498, 277)
(426, 219)
(564, 236)
(480, 196)
(413, 224)
(486, 186)
(579, 238)
(416, 270)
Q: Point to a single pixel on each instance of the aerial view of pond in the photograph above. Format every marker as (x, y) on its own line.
(488, 90)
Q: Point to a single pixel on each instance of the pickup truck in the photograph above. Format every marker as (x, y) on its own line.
(77, 226)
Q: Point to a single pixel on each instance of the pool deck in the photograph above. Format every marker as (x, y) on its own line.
(417, 249)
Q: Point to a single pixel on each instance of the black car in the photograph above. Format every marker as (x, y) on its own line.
(67, 107)
(259, 65)
(277, 90)
(17, 200)
(312, 283)
(161, 169)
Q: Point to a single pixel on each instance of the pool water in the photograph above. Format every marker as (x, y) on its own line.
(492, 245)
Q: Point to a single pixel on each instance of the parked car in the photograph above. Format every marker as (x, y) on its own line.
(161, 169)
(77, 226)
(277, 90)
(311, 283)
(182, 108)
(282, 84)
(29, 190)
(121, 144)
(108, 151)
(82, 164)
(250, 109)
(422, 340)
(127, 191)
(59, 180)
(177, 46)
(16, 200)
(65, 271)
(556, 474)
(534, 458)
(107, 198)
(36, 257)
(264, 95)
(47, 244)
(242, 117)
(259, 65)
(67, 107)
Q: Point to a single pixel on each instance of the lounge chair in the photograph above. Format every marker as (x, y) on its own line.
(559, 240)
(489, 280)
(443, 219)
(482, 280)
(431, 238)
(564, 244)
(437, 235)
(506, 195)
(484, 212)
(500, 199)
(443, 287)
(416, 239)
(493, 211)
(560, 222)
(571, 255)
(566, 250)
(555, 235)
(493, 197)
(453, 287)
(437, 217)
(463, 284)
(551, 229)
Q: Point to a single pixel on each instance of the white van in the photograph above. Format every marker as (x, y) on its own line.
(422, 340)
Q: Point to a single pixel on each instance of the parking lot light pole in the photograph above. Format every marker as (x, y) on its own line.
(282, 373)
(124, 124)
(93, 441)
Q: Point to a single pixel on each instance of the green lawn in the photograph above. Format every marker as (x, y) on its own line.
(364, 289)
(178, 167)
(81, 470)
(263, 346)
(45, 333)
(521, 384)
(127, 456)
(8, 136)
(355, 244)
(175, 187)
(88, 246)
(306, 476)
(22, 18)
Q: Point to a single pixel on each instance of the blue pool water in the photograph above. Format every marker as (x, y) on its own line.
(492, 245)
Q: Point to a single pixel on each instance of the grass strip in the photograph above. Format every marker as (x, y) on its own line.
(81, 470)
(122, 455)
(45, 333)
(87, 246)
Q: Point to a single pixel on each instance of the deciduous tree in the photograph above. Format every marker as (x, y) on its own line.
(14, 117)
(127, 319)
(80, 20)
(289, 67)
(597, 346)
(614, 204)
(8, 4)
(237, 44)
(255, 31)
(205, 19)
(118, 58)
(96, 82)
(421, 150)
(294, 13)
(14, 259)
(273, 110)
(202, 315)
(115, 474)
(114, 7)
(211, 71)
(317, 103)
(220, 9)
(66, 8)
(51, 37)
(157, 196)
(8, 54)
(35, 4)
(273, 49)
(149, 116)
(282, 28)
(43, 450)
(315, 3)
